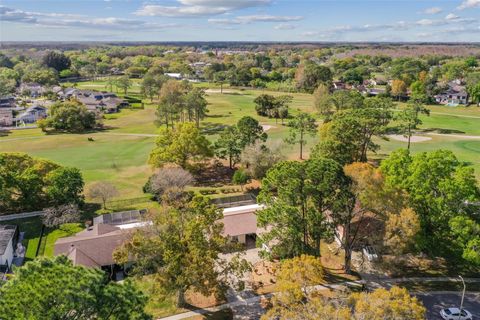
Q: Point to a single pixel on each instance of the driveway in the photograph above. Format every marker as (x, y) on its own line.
(435, 301)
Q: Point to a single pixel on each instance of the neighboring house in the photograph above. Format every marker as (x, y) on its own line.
(339, 85)
(7, 102)
(372, 91)
(6, 117)
(95, 101)
(177, 76)
(455, 94)
(94, 248)
(33, 89)
(66, 93)
(32, 114)
(8, 243)
(113, 104)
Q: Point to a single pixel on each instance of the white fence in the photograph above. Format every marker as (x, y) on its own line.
(21, 215)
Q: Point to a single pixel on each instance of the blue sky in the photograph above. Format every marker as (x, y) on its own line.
(240, 20)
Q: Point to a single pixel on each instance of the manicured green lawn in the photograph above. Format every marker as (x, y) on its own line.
(32, 228)
(65, 230)
(465, 150)
(120, 154)
(121, 159)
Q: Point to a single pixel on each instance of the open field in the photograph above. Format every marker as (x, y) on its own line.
(120, 153)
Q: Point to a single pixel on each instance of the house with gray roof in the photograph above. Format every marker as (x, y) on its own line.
(32, 114)
(8, 243)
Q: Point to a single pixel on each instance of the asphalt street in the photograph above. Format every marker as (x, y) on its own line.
(435, 301)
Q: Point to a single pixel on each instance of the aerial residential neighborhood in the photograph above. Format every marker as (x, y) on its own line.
(243, 159)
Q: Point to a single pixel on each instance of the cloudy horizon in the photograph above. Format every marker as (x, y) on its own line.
(241, 20)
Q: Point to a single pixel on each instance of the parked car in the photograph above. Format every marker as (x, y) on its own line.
(454, 314)
(370, 253)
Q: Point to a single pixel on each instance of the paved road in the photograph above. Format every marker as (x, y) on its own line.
(435, 301)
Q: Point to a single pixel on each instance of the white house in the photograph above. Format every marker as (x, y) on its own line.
(177, 76)
(8, 243)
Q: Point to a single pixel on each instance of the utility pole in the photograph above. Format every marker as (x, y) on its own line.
(463, 296)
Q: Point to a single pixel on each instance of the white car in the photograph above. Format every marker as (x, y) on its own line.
(370, 253)
(454, 314)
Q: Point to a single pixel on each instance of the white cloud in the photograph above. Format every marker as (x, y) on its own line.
(424, 35)
(453, 21)
(156, 10)
(433, 10)
(255, 18)
(73, 20)
(469, 4)
(425, 22)
(451, 16)
(235, 4)
(191, 8)
(285, 26)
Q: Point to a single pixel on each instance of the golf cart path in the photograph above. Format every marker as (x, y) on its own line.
(460, 136)
(455, 115)
(142, 135)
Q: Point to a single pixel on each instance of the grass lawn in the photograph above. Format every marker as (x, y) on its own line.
(51, 235)
(160, 307)
(120, 153)
(465, 150)
(32, 228)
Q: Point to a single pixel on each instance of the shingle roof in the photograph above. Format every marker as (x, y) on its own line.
(6, 234)
(78, 257)
(96, 243)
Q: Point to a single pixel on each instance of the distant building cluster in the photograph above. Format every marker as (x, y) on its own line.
(31, 101)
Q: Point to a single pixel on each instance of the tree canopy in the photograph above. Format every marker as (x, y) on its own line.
(70, 116)
(29, 184)
(438, 186)
(52, 288)
(297, 196)
(182, 145)
(56, 60)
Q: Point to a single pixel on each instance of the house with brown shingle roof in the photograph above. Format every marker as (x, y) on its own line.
(94, 247)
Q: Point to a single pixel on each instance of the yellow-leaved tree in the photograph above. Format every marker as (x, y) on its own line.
(401, 230)
(383, 304)
(380, 304)
(294, 279)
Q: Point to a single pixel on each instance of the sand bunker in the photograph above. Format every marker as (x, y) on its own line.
(399, 137)
(267, 127)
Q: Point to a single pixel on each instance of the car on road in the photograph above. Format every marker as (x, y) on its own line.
(370, 253)
(454, 314)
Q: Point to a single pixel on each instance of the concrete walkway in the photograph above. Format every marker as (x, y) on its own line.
(254, 302)
(128, 134)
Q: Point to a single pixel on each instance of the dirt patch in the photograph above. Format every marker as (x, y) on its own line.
(263, 277)
(412, 138)
(200, 301)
